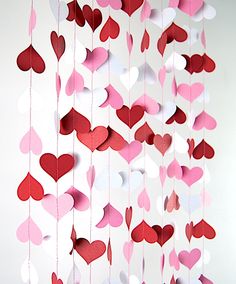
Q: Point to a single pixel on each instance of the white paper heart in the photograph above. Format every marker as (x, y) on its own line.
(164, 18)
(207, 11)
(129, 77)
(113, 64)
(204, 97)
(132, 182)
(166, 111)
(179, 144)
(175, 61)
(152, 169)
(205, 258)
(80, 53)
(147, 73)
(102, 180)
(63, 13)
(74, 276)
(25, 276)
(98, 97)
(160, 205)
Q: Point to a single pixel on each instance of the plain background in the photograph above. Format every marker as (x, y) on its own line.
(221, 45)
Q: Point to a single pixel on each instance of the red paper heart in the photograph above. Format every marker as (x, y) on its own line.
(162, 143)
(203, 229)
(73, 120)
(93, 17)
(130, 116)
(189, 231)
(110, 29)
(109, 252)
(56, 167)
(179, 116)
(191, 145)
(144, 232)
(145, 41)
(55, 280)
(94, 138)
(30, 187)
(163, 234)
(29, 58)
(194, 63)
(209, 64)
(75, 13)
(144, 133)
(114, 140)
(129, 7)
(128, 216)
(58, 44)
(203, 149)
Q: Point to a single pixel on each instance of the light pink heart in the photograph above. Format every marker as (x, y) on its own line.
(204, 120)
(130, 151)
(162, 76)
(203, 39)
(91, 176)
(205, 280)
(115, 4)
(31, 142)
(111, 216)
(75, 83)
(29, 231)
(143, 200)
(173, 3)
(81, 201)
(174, 170)
(190, 7)
(162, 173)
(190, 93)
(149, 104)
(190, 176)
(32, 21)
(174, 87)
(95, 58)
(189, 259)
(64, 204)
(129, 39)
(114, 99)
(128, 250)
(58, 84)
(146, 11)
(173, 260)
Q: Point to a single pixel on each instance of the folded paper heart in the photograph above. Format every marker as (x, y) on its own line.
(131, 151)
(131, 180)
(190, 92)
(163, 234)
(189, 259)
(130, 116)
(93, 17)
(81, 201)
(29, 58)
(179, 144)
(175, 61)
(205, 280)
(128, 216)
(149, 105)
(90, 174)
(33, 277)
(74, 276)
(60, 7)
(147, 74)
(191, 145)
(29, 231)
(144, 232)
(31, 142)
(145, 41)
(75, 13)
(190, 7)
(95, 58)
(146, 11)
(111, 29)
(144, 133)
(174, 170)
(203, 149)
(129, 77)
(166, 111)
(108, 179)
(172, 202)
(203, 229)
(58, 44)
(114, 99)
(56, 167)
(204, 120)
(96, 96)
(190, 203)
(162, 18)
(115, 4)
(128, 250)
(197, 63)
(75, 83)
(162, 143)
(129, 7)
(55, 280)
(206, 12)
(129, 41)
(173, 260)
(111, 217)
(191, 175)
(179, 117)
(144, 200)
(151, 168)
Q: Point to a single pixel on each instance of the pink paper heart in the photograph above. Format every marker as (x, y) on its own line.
(189, 259)
(91, 176)
(129, 39)
(162, 263)
(64, 204)
(29, 231)
(146, 11)
(149, 104)
(95, 58)
(81, 201)
(190, 7)
(58, 84)
(128, 250)
(75, 83)
(174, 170)
(162, 173)
(143, 200)
(114, 99)
(162, 76)
(174, 87)
(130, 151)
(190, 93)
(190, 176)
(115, 4)
(204, 120)
(203, 39)
(173, 3)
(31, 142)
(32, 21)
(111, 216)
(173, 260)
(205, 280)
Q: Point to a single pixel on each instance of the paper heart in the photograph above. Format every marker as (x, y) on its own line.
(191, 145)
(129, 78)
(189, 259)
(108, 178)
(29, 58)
(164, 18)
(204, 120)
(128, 216)
(190, 93)
(178, 144)
(144, 232)
(162, 173)
(74, 276)
(143, 200)
(149, 104)
(55, 280)
(93, 17)
(26, 276)
(75, 83)
(202, 228)
(129, 7)
(207, 11)
(30, 187)
(166, 111)
(31, 142)
(172, 203)
(162, 143)
(90, 174)
(73, 120)
(162, 76)
(95, 58)
(80, 53)
(115, 4)
(130, 116)
(163, 234)
(58, 44)
(81, 201)
(114, 99)
(56, 167)
(203, 149)
(205, 280)
(94, 138)
(128, 250)
(146, 11)
(111, 29)
(174, 170)
(144, 133)
(131, 151)
(98, 96)
(190, 7)
(75, 13)
(147, 74)
(175, 61)
(190, 176)
(130, 42)
(115, 141)
(197, 63)
(173, 260)
(59, 9)
(151, 168)
(145, 41)
(113, 64)
(29, 231)
(131, 180)
(190, 203)
(111, 217)
(179, 117)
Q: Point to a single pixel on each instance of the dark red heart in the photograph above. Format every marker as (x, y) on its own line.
(110, 29)
(163, 234)
(93, 17)
(209, 64)
(203, 149)
(129, 7)
(109, 252)
(30, 187)
(194, 63)
(94, 138)
(203, 229)
(128, 216)
(191, 145)
(56, 167)
(144, 133)
(55, 280)
(162, 143)
(179, 116)
(58, 44)
(145, 41)
(144, 232)
(75, 13)
(29, 58)
(130, 116)
(73, 120)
